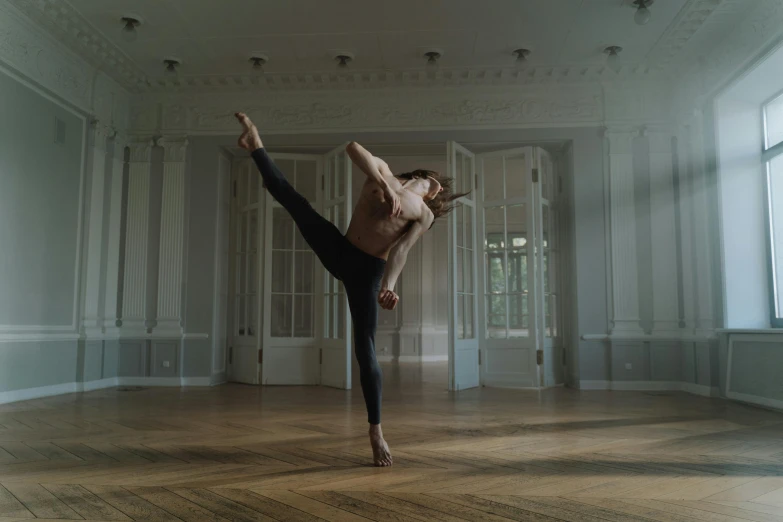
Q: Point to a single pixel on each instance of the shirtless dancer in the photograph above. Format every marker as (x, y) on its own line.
(391, 215)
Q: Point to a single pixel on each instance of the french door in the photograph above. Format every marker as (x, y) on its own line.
(244, 341)
(502, 268)
(290, 351)
(336, 319)
(291, 326)
(463, 305)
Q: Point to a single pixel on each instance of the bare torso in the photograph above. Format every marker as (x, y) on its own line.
(372, 229)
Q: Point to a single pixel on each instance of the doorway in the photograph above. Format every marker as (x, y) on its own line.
(501, 245)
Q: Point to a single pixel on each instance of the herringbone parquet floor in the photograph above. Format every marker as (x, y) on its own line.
(244, 453)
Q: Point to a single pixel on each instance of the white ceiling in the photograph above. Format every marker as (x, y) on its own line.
(299, 36)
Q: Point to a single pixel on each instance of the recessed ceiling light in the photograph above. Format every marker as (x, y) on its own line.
(171, 66)
(432, 56)
(343, 58)
(643, 14)
(129, 25)
(259, 60)
(613, 52)
(521, 55)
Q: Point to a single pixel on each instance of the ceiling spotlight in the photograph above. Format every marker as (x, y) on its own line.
(171, 66)
(258, 61)
(613, 52)
(130, 23)
(343, 59)
(643, 14)
(432, 59)
(521, 55)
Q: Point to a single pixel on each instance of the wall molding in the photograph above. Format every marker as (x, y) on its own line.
(688, 387)
(763, 337)
(27, 394)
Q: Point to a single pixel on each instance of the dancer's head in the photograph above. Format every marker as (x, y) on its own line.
(436, 190)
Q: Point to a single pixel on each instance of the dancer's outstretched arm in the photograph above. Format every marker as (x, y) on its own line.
(378, 171)
(398, 256)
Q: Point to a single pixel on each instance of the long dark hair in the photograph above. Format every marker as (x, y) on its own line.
(441, 204)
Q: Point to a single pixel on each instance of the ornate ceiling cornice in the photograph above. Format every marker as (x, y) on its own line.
(62, 20)
(70, 27)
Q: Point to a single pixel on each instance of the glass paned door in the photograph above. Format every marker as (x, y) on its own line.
(290, 347)
(507, 229)
(244, 309)
(463, 309)
(336, 340)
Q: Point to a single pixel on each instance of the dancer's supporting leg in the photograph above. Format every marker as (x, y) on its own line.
(360, 273)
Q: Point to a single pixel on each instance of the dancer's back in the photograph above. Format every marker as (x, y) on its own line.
(372, 229)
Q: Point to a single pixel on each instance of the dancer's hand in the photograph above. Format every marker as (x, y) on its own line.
(388, 299)
(393, 199)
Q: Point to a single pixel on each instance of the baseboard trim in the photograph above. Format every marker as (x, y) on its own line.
(39, 392)
(423, 358)
(688, 387)
(412, 358)
(756, 400)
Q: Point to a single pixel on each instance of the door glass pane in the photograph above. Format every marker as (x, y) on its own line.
(282, 271)
(328, 317)
(469, 226)
(459, 212)
(242, 188)
(460, 316)
(307, 179)
(545, 225)
(460, 277)
(303, 316)
(467, 271)
(240, 315)
(252, 236)
(496, 316)
(252, 315)
(515, 177)
(775, 179)
(469, 318)
(516, 226)
(517, 271)
(282, 229)
(281, 316)
(288, 168)
(493, 178)
(328, 173)
(458, 171)
(494, 219)
(242, 288)
(774, 121)
(242, 232)
(304, 272)
(252, 280)
(252, 191)
(518, 316)
(340, 175)
(496, 272)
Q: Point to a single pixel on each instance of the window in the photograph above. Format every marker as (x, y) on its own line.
(773, 168)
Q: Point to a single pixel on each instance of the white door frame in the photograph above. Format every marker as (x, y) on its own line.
(463, 353)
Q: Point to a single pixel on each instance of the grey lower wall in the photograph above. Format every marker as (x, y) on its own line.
(37, 364)
(755, 368)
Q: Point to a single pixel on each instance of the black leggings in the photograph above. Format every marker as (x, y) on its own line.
(360, 273)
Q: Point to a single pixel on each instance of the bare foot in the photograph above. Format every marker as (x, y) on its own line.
(249, 140)
(380, 450)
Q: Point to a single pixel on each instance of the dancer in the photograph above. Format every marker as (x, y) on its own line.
(391, 215)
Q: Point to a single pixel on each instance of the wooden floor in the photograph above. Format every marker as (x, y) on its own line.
(244, 453)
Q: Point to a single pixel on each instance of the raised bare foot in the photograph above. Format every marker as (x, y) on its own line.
(380, 450)
(249, 140)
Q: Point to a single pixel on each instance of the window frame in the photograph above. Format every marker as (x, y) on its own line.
(767, 155)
